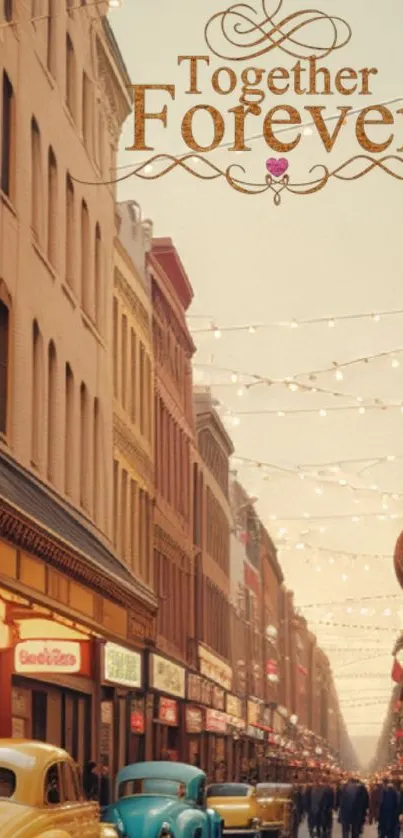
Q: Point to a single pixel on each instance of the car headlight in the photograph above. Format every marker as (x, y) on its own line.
(165, 831)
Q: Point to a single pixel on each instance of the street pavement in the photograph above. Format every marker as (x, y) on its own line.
(369, 831)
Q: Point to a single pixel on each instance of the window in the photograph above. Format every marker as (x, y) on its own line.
(96, 458)
(70, 76)
(87, 112)
(98, 276)
(115, 501)
(70, 231)
(4, 364)
(51, 36)
(52, 412)
(123, 516)
(124, 360)
(142, 388)
(36, 179)
(84, 446)
(53, 794)
(8, 10)
(37, 393)
(52, 208)
(8, 782)
(133, 375)
(115, 346)
(85, 256)
(69, 784)
(69, 432)
(7, 135)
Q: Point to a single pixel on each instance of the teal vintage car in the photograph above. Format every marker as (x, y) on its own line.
(162, 800)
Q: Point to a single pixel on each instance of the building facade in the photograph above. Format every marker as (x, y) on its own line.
(174, 578)
(64, 594)
(212, 526)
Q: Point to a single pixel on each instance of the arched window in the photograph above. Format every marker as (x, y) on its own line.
(7, 137)
(115, 341)
(69, 432)
(53, 8)
(85, 257)
(52, 208)
(70, 77)
(98, 276)
(84, 428)
(36, 181)
(87, 122)
(52, 412)
(124, 360)
(70, 232)
(37, 395)
(96, 459)
(4, 364)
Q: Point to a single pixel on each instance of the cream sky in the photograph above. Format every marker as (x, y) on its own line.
(326, 255)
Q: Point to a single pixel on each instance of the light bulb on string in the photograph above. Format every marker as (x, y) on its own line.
(280, 413)
(240, 391)
(331, 324)
(395, 363)
(376, 318)
(251, 330)
(293, 387)
(234, 378)
(217, 333)
(361, 410)
(294, 324)
(148, 169)
(323, 413)
(339, 375)
(319, 490)
(236, 421)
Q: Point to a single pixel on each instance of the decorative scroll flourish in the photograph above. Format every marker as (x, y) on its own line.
(240, 32)
(235, 174)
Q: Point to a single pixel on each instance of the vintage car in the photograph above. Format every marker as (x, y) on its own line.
(40, 795)
(162, 800)
(244, 809)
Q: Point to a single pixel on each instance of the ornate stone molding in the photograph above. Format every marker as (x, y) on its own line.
(31, 537)
(115, 106)
(163, 543)
(126, 443)
(133, 302)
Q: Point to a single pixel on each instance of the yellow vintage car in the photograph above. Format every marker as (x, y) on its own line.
(41, 797)
(247, 809)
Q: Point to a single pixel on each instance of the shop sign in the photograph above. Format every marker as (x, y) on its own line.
(265, 717)
(194, 720)
(254, 732)
(239, 724)
(47, 656)
(278, 723)
(168, 712)
(194, 687)
(137, 724)
(106, 712)
(234, 706)
(214, 668)
(218, 699)
(216, 722)
(253, 713)
(122, 666)
(167, 677)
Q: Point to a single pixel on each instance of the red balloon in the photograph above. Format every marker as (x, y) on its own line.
(398, 559)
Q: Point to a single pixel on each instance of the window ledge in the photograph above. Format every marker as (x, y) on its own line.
(8, 203)
(90, 325)
(68, 291)
(42, 256)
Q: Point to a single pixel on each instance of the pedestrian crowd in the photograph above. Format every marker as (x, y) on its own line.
(352, 803)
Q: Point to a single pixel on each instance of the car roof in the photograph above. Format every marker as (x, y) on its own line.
(229, 786)
(178, 771)
(24, 754)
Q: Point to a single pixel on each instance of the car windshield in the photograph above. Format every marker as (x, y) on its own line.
(228, 790)
(128, 788)
(8, 782)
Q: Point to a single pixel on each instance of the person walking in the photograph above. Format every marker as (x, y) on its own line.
(316, 809)
(374, 801)
(328, 805)
(388, 822)
(297, 808)
(91, 781)
(350, 811)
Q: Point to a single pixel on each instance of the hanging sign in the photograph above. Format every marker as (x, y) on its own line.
(214, 668)
(253, 713)
(168, 712)
(167, 677)
(47, 656)
(234, 706)
(122, 666)
(216, 722)
(194, 719)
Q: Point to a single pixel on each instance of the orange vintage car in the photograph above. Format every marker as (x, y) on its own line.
(41, 796)
(247, 809)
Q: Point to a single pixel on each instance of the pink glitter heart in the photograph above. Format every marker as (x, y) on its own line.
(277, 167)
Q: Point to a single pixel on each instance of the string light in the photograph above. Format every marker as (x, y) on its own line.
(319, 477)
(296, 323)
